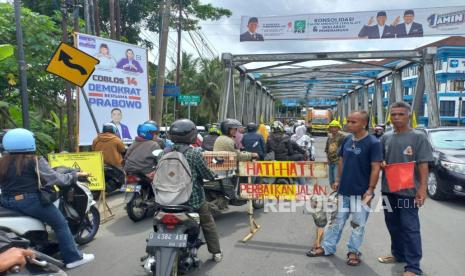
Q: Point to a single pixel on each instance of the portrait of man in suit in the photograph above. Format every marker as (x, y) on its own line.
(122, 130)
(409, 28)
(380, 30)
(251, 34)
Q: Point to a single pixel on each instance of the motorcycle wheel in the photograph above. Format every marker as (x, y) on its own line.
(135, 211)
(90, 226)
(258, 204)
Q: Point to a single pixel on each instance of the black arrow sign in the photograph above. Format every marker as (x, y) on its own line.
(67, 61)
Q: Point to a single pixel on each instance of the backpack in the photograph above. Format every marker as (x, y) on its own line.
(172, 184)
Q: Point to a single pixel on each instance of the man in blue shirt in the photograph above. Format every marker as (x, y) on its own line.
(358, 172)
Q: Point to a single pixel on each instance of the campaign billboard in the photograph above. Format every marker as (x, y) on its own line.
(118, 89)
(403, 23)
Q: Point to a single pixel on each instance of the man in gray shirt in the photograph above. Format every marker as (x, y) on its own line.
(404, 145)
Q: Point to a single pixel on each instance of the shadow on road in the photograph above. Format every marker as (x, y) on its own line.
(123, 226)
(456, 203)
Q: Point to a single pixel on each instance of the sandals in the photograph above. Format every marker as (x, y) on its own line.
(316, 252)
(387, 260)
(353, 258)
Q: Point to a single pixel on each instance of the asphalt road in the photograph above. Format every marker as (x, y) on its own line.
(280, 245)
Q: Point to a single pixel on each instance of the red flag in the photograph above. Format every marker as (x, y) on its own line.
(400, 176)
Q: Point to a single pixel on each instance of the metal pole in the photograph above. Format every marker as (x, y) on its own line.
(365, 101)
(161, 62)
(430, 88)
(397, 86)
(22, 65)
(84, 95)
(178, 56)
(419, 92)
(189, 110)
(379, 99)
(460, 109)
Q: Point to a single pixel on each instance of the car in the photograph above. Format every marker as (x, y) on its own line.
(446, 177)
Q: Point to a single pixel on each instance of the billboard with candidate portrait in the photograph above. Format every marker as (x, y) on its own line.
(380, 24)
(118, 89)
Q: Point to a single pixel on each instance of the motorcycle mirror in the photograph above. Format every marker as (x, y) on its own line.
(157, 152)
(218, 160)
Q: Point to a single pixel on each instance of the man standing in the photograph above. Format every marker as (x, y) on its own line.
(409, 28)
(122, 131)
(380, 30)
(405, 145)
(251, 34)
(358, 174)
(333, 144)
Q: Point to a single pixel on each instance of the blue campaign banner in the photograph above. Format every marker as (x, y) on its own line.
(168, 91)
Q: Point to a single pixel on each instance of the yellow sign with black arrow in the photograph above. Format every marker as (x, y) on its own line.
(72, 64)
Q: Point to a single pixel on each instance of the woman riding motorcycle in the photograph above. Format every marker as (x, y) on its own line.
(20, 170)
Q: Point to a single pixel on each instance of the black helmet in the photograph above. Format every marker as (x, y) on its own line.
(109, 127)
(183, 131)
(252, 127)
(227, 124)
(152, 122)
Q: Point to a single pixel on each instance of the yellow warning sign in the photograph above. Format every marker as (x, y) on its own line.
(89, 162)
(72, 64)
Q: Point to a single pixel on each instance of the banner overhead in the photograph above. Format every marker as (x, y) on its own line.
(356, 25)
(118, 89)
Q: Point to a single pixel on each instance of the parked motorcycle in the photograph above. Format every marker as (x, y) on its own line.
(41, 265)
(77, 206)
(173, 245)
(114, 178)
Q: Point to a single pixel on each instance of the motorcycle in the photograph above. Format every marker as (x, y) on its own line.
(173, 245)
(114, 178)
(41, 265)
(139, 196)
(225, 190)
(75, 203)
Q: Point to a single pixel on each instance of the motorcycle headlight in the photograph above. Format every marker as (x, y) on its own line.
(454, 167)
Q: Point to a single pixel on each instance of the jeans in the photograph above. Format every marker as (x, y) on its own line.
(347, 205)
(332, 172)
(209, 228)
(31, 206)
(403, 224)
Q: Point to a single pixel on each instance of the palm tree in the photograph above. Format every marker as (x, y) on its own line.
(210, 83)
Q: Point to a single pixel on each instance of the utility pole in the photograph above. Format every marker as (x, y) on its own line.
(163, 44)
(69, 98)
(111, 8)
(178, 63)
(87, 17)
(22, 65)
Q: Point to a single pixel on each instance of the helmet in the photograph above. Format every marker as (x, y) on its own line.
(152, 122)
(335, 123)
(183, 131)
(252, 127)
(277, 127)
(109, 127)
(214, 130)
(379, 127)
(228, 124)
(19, 140)
(146, 130)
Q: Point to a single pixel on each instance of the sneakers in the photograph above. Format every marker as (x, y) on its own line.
(86, 258)
(218, 257)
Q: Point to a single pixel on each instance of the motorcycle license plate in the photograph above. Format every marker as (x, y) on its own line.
(167, 240)
(130, 188)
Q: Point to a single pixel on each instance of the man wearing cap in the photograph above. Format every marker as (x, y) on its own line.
(380, 30)
(409, 28)
(251, 34)
(333, 144)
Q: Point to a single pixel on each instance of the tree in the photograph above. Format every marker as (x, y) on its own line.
(41, 36)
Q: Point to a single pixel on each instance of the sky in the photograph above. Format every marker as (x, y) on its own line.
(223, 35)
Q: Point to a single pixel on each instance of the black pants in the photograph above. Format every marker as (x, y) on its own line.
(403, 223)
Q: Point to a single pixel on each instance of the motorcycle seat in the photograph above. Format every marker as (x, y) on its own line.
(175, 208)
(6, 212)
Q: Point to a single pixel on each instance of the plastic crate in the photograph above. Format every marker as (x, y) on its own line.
(221, 160)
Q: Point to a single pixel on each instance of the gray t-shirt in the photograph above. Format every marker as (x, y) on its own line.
(405, 147)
